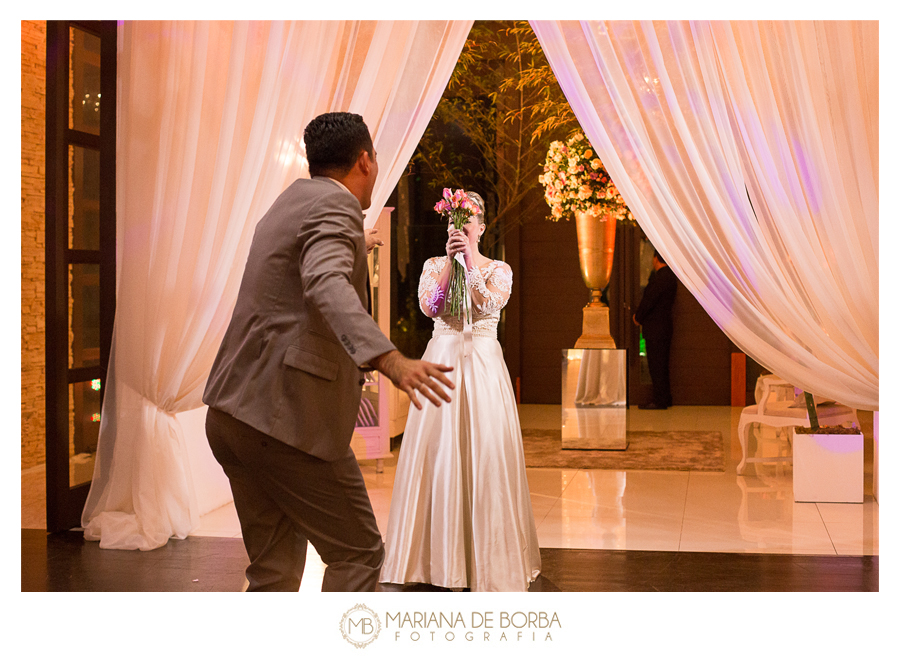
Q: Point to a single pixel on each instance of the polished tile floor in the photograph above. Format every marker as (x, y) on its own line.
(661, 510)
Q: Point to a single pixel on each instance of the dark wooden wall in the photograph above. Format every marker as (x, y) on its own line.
(701, 355)
(544, 317)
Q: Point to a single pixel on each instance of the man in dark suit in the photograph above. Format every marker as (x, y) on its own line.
(285, 387)
(654, 316)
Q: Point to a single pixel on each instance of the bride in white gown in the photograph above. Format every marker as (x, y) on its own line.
(460, 511)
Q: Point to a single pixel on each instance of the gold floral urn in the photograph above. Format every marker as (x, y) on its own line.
(596, 246)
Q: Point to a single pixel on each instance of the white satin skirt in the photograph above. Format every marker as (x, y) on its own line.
(460, 510)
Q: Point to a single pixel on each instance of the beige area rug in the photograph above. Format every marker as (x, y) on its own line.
(646, 451)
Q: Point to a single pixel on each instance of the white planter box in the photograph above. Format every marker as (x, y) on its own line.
(828, 468)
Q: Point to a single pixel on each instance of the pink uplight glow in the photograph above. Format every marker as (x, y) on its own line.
(838, 443)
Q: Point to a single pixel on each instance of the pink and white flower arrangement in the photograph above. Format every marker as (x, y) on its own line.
(458, 208)
(575, 180)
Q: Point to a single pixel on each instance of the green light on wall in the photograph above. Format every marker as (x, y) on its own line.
(643, 347)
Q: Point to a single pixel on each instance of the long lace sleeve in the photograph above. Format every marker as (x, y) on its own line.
(431, 296)
(494, 290)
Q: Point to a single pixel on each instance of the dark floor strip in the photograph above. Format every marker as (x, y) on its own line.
(64, 562)
(573, 570)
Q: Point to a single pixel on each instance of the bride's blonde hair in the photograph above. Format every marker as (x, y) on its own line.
(474, 196)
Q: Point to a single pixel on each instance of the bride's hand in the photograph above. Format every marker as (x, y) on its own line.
(457, 243)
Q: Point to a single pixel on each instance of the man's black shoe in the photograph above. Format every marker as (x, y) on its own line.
(652, 405)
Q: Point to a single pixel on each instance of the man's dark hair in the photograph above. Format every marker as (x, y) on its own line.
(334, 142)
(659, 257)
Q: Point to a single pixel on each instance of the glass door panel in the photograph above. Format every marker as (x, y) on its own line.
(84, 201)
(84, 89)
(84, 429)
(84, 315)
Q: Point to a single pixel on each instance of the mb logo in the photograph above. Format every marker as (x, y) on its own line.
(360, 626)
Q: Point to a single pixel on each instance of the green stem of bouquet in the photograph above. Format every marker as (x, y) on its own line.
(458, 295)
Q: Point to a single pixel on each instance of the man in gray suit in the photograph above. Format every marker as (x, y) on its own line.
(284, 390)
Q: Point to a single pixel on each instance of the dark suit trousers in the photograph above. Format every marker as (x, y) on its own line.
(284, 497)
(659, 343)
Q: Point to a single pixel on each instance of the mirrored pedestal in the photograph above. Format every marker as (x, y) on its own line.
(594, 397)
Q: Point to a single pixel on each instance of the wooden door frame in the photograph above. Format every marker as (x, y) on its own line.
(64, 502)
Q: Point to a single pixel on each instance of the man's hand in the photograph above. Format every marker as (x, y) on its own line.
(413, 377)
(372, 239)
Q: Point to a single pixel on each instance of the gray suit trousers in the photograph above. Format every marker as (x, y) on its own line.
(284, 497)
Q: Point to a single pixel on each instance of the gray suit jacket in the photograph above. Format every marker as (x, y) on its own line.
(289, 364)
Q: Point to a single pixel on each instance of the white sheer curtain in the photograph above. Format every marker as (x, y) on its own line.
(211, 116)
(748, 152)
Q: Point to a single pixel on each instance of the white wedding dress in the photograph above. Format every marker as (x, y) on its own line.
(460, 510)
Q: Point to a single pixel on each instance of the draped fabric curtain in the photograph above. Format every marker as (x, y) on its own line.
(210, 132)
(748, 152)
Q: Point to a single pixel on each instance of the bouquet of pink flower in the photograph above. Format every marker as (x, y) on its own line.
(458, 207)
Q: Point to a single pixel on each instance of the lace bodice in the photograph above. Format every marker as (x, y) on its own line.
(492, 281)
